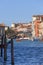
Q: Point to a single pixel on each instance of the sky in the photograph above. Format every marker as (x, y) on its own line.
(19, 11)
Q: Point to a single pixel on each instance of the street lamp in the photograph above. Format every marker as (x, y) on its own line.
(6, 28)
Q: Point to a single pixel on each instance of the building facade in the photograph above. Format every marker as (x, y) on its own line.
(37, 25)
(2, 29)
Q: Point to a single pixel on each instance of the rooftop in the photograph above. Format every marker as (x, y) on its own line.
(37, 16)
(2, 25)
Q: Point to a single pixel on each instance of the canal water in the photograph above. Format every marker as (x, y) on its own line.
(25, 53)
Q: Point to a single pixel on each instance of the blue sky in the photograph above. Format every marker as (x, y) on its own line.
(19, 10)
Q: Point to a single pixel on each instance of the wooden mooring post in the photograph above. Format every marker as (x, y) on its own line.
(12, 52)
(4, 45)
(5, 48)
(1, 44)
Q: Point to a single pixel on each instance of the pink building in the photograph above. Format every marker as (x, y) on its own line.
(37, 19)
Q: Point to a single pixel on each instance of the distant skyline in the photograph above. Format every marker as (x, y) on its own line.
(19, 10)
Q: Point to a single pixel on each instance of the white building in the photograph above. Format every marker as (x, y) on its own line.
(13, 26)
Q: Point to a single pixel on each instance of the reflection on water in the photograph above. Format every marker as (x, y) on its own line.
(25, 53)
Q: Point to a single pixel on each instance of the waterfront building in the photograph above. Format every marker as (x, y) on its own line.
(2, 29)
(25, 29)
(13, 26)
(41, 29)
(37, 25)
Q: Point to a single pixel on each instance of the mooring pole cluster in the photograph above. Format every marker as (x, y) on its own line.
(4, 45)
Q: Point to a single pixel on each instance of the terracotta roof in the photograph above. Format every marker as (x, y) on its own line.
(2, 25)
(37, 16)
